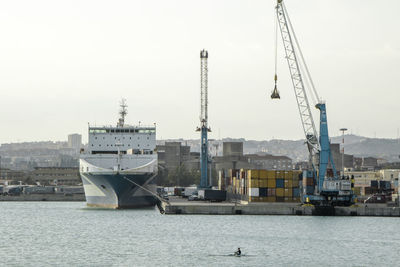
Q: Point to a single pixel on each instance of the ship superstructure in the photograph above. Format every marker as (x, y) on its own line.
(119, 165)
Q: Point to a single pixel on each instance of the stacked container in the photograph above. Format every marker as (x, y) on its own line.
(266, 185)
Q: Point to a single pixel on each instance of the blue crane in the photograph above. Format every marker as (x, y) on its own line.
(326, 189)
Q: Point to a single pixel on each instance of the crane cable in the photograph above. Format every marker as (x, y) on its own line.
(276, 50)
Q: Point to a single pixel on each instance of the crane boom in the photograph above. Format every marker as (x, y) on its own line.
(307, 120)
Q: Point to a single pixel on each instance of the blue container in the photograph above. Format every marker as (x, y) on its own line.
(296, 192)
(280, 183)
(374, 184)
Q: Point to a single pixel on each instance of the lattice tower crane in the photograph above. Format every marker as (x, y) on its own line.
(204, 129)
(318, 146)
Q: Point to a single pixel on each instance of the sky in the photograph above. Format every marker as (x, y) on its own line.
(64, 64)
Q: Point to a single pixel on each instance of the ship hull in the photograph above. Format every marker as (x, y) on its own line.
(119, 191)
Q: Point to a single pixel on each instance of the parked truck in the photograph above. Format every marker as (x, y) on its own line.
(212, 195)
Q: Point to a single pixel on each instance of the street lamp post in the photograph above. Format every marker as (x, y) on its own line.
(343, 130)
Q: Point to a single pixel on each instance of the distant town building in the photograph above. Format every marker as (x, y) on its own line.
(75, 141)
(337, 158)
(233, 158)
(11, 176)
(55, 176)
(389, 174)
(232, 149)
(173, 154)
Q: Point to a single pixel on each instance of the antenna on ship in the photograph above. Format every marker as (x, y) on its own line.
(122, 112)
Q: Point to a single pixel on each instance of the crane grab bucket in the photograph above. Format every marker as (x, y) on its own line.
(275, 93)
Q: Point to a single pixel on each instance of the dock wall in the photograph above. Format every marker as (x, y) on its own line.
(276, 209)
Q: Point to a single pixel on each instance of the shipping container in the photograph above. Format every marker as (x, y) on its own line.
(279, 175)
(288, 183)
(288, 175)
(374, 183)
(280, 192)
(263, 174)
(254, 192)
(288, 192)
(296, 175)
(296, 192)
(263, 183)
(270, 199)
(252, 174)
(263, 192)
(271, 192)
(253, 183)
(271, 183)
(280, 183)
(271, 174)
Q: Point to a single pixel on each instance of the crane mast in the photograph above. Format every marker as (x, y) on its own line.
(204, 159)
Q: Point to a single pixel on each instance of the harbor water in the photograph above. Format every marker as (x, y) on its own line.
(70, 234)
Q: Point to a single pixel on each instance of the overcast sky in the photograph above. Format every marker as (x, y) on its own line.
(66, 63)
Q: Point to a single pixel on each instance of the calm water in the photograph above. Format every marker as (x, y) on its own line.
(69, 234)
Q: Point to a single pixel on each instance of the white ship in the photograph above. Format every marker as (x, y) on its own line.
(119, 165)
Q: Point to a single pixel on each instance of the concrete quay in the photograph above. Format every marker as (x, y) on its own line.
(44, 197)
(229, 208)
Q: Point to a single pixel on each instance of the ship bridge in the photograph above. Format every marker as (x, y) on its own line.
(125, 140)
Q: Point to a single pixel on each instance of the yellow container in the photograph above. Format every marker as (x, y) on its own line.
(288, 183)
(279, 175)
(280, 192)
(271, 183)
(288, 192)
(288, 175)
(270, 199)
(263, 174)
(271, 174)
(254, 183)
(296, 175)
(252, 174)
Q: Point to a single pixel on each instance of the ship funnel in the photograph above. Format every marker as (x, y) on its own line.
(275, 92)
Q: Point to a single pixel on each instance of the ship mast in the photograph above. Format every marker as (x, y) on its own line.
(122, 112)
